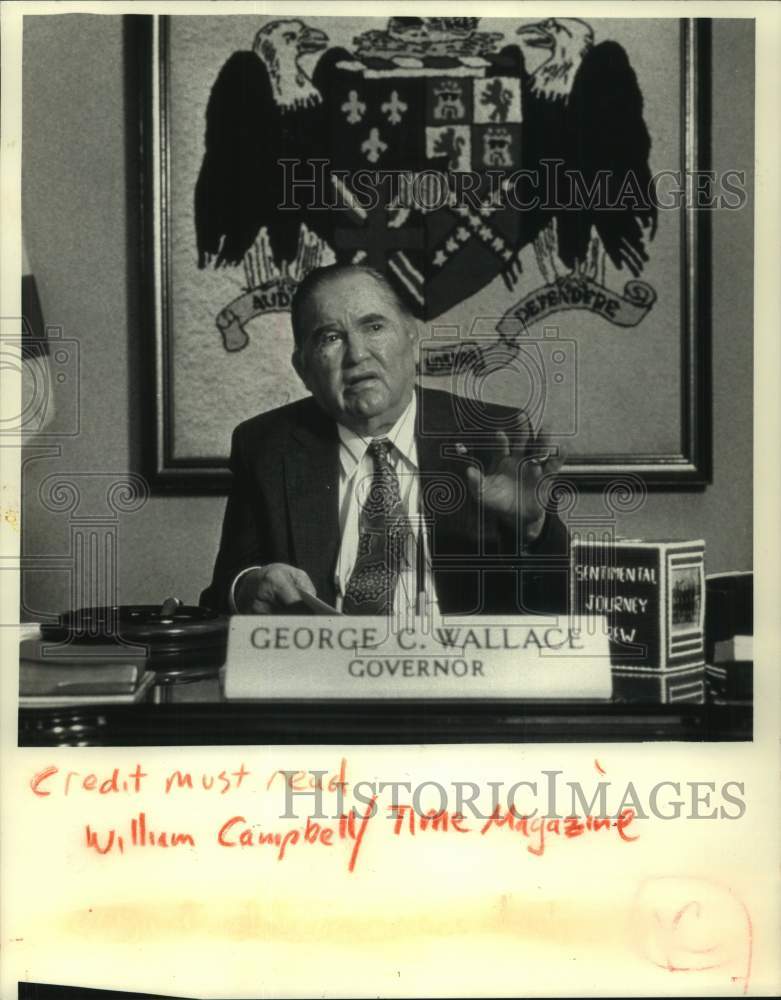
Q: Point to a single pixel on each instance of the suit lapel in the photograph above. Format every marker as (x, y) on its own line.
(444, 490)
(312, 485)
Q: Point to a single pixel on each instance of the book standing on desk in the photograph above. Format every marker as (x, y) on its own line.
(653, 596)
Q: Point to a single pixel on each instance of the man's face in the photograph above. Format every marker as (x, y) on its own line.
(357, 353)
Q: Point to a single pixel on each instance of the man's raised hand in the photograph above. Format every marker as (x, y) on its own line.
(511, 486)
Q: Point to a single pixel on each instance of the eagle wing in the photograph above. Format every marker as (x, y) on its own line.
(607, 132)
(234, 189)
(239, 188)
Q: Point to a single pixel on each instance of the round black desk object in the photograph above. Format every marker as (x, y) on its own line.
(183, 643)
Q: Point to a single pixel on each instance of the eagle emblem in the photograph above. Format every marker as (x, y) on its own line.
(367, 159)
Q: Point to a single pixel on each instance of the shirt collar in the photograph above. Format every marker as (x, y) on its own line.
(401, 435)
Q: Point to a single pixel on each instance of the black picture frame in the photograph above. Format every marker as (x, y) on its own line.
(689, 468)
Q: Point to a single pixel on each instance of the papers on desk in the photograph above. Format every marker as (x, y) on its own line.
(315, 606)
(64, 694)
(738, 648)
(58, 674)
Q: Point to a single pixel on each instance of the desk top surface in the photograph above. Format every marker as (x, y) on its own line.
(385, 722)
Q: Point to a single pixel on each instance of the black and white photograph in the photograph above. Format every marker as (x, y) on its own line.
(445, 321)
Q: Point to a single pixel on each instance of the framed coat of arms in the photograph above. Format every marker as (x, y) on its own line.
(534, 190)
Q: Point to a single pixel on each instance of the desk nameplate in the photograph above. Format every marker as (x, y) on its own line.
(491, 657)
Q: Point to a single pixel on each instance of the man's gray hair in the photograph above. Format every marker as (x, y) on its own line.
(320, 276)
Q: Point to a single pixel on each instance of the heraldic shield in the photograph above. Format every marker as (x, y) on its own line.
(418, 157)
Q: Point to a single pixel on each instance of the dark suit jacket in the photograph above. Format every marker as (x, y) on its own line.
(283, 507)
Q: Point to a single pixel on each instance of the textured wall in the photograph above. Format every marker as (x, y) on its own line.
(81, 242)
(722, 514)
(77, 222)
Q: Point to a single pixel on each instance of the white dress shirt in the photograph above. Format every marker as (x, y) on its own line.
(356, 470)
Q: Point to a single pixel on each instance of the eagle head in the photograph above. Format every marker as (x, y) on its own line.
(280, 45)
(567, 39)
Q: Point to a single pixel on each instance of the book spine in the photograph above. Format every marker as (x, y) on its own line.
(653, 596)
(622, 582)
(685, 618)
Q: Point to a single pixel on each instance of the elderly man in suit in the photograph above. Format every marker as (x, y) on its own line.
(373, 493)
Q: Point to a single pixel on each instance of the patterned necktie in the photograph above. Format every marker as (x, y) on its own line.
(382, 540)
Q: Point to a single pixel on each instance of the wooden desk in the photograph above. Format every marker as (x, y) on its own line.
(366, 722)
